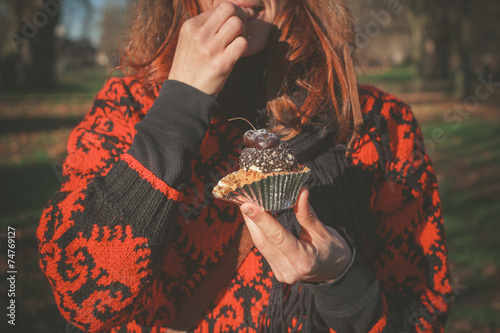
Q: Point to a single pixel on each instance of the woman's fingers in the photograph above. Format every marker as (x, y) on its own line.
(331, 246)
(320, 253)
(275, 270)
(274, 257)
(313, 227)
(290, 259)
(209, 45)
(230, 38)
(280, 263)
(228, 26)
(222, 13)
(306, 215)
(272, 230)
(236, 50)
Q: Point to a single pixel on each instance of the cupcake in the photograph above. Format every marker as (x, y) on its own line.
(269, 174)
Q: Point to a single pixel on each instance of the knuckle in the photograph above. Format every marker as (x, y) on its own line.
(235, 24)
(290, 278)
(259, 243)
(242, 42)
(197, 36)
(219, 65)
(188, 27)
(208, 51)
(227, 7)
(279, 278)
(310, 215)
(305, 267)
(277, 237)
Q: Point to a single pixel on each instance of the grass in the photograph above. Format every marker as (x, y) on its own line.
(386, 77)
(73, 85)
(35, 125)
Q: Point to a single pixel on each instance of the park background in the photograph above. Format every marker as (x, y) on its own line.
(440, 56)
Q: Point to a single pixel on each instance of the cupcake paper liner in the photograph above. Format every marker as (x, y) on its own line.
(273, 193)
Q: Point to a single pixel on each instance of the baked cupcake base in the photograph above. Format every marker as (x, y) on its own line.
(271, 191)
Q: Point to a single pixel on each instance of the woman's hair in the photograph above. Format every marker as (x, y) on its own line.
(309, 56)
(152, 38)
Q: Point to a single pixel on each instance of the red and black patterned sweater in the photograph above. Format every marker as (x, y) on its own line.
(133, 231)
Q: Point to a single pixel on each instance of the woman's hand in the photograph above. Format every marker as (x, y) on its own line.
(319, 255)
(208, 47)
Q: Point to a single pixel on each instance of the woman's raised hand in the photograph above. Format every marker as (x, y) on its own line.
(320, 254)
(208, 47)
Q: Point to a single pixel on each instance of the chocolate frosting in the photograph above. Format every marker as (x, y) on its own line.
(275, 159)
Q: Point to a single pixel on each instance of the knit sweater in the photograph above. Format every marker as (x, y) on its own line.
(134, 228)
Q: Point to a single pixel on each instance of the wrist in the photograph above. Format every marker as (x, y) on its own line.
(340, 271)
(343, 263)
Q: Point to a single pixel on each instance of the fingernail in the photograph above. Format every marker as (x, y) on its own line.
(248, 211)
(250, 13)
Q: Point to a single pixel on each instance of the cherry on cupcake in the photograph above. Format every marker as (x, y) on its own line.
(260, 139)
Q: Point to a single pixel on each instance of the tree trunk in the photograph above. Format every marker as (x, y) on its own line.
(430, 38)
(32, 63)
(416, 22)
(42, 72)
(440, 67)
(462, 33)
(438, 36)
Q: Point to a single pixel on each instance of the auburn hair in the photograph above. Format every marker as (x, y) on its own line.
(309, 76)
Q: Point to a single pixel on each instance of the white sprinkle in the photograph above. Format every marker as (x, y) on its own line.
(255, 168)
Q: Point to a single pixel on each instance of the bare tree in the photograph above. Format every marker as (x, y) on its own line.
(31, 60)
(428, 21)
(461, 32)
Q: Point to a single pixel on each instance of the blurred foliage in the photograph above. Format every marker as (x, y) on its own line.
(453, 40)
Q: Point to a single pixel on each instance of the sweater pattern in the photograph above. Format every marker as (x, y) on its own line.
(123, 250)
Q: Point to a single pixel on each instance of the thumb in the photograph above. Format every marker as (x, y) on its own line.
(305, 214)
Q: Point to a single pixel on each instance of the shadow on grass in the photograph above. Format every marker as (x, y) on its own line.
(16, 125)
(24, 192)
(83, 82)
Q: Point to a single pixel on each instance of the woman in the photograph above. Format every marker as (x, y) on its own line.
(135, 242)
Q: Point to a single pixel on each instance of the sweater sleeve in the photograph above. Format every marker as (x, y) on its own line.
(402, 283)
(409, 254)
(102, 237)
